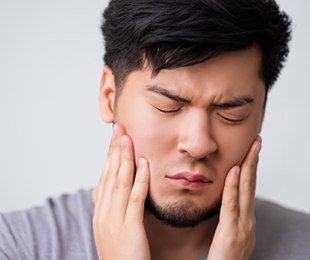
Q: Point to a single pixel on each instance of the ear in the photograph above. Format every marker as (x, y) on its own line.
(107, 95)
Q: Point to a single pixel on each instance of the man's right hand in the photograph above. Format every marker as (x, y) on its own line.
(119, 203)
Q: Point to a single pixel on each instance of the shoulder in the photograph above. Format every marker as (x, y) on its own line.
(61, 223)
(281, 233)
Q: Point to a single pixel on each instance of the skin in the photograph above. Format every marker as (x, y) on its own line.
(211, 130)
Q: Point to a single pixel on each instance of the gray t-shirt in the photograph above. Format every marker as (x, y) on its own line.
(62, 229)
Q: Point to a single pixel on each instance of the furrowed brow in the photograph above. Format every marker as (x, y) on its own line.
(238, 102)
(167, 93)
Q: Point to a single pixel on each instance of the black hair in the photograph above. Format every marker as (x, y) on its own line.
(167, 34)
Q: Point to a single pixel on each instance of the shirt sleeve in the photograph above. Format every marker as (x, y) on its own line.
(9, 247)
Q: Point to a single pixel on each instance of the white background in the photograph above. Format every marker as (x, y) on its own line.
(52, 139)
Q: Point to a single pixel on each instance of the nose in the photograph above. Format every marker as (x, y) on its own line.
(196, 137)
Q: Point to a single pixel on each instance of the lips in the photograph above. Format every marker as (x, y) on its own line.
(189, 180)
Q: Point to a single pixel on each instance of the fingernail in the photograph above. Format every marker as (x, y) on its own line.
(236, 170)
(115, 130)
(141, 163)
(258, 148)
(124, 142)
(259, 138)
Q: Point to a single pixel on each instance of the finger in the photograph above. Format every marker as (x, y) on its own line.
(248, 180)
(124, 181)
(135, 209)
(230, 200)
(110, 171)
(113, 160)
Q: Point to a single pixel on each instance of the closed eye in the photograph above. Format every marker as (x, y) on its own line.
(234, 120)
(168, 111)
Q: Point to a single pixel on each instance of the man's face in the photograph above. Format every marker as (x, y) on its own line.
(193, 124)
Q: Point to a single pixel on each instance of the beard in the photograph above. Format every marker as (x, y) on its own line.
(181, 214)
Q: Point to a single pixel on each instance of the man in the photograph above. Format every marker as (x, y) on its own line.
(185, 86)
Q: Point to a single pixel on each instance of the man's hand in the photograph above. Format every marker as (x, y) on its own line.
(119, 203)
(234, 238)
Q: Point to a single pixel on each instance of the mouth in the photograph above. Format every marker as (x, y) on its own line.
(189, 180)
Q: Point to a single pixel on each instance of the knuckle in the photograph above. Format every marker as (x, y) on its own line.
(141, 180)
(135, 199)
(127, 164)
(231, 187)
(243, 237)
(122, 184)
(252, 226)
(249, 186)
(230, 204)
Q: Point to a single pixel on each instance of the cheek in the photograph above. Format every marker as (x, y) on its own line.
(235, 144)
(145, 139)
(149, 134)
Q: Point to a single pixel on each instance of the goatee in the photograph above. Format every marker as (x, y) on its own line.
(180, 214)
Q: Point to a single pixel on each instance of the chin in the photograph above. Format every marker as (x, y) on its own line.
(181, 214)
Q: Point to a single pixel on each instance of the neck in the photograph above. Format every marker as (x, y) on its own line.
(167, 242)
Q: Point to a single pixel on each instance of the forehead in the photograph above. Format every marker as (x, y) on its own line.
(228, 65)
(227, 73)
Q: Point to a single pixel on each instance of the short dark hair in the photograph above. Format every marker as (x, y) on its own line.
(175, 33)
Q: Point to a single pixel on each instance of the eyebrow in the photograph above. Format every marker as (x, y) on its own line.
(167, 93)
(237, 102)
